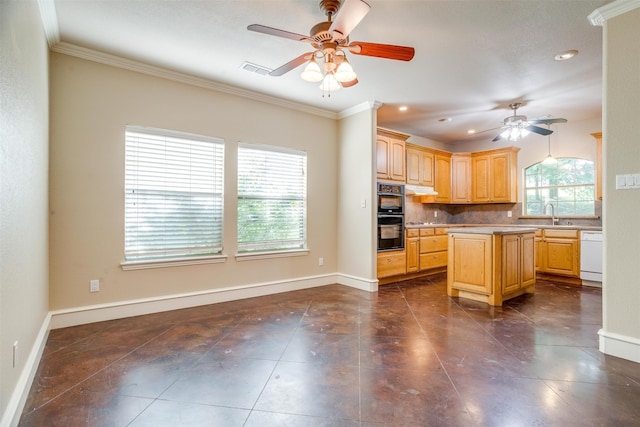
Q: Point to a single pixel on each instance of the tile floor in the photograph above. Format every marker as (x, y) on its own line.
(335, 356)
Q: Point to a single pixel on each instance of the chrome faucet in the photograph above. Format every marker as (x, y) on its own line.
(554, 220)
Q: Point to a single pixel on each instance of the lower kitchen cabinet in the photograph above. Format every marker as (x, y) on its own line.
(413, 250)
(491, 266)
(558, 252)
(392, 263)
(433, 248)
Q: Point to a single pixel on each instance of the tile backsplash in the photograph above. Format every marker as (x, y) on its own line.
(486, 214)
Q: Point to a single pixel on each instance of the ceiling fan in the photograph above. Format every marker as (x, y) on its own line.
(517, 126)
(330, 41)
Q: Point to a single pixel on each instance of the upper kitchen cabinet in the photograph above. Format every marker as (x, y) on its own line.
(390, 152)
(598, 137)
(442, 177)
(461, 178)
(419, 165)
(494, 176)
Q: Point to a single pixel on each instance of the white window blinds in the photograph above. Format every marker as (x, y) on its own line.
(272, 198)
(173, 194)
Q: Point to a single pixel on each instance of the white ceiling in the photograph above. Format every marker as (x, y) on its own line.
(473, 57)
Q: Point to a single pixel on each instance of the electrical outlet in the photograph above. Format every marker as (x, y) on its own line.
(363, 203)
(15, 354)
(509, 214)
(94, 285)
(321, 261)
(435, 214)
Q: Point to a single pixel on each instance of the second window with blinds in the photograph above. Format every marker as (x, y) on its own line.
(272, 199)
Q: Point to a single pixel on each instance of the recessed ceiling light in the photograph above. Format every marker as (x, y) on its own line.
(567, 54)
(471, 131)
(444, 119)
(403, 108)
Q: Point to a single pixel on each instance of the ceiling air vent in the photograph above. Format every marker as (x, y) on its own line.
(254, 68)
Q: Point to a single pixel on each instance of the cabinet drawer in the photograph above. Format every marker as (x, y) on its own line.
(424, 232)
(539, 232)
(570, 234)
(441, 231)
(433, 244)
(433, 260)
(392, 264)
(413, 232)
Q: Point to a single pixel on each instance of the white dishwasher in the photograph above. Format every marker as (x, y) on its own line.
(591, 258)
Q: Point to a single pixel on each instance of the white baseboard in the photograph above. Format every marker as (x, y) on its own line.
(619, 345)
(13, 411)
(358, 282)
(122, 309)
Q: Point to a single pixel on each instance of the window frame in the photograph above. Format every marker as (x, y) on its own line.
(250, 254)
(188, 255)
(558, 212)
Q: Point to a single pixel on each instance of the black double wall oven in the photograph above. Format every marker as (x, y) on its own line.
(390, 217)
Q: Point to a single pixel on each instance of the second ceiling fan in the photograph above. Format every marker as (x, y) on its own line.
(330, 41)
(517, 126)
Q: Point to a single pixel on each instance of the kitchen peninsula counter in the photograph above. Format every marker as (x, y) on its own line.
(491, 263)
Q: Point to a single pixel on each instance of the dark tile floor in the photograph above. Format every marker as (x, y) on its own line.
(335, 356)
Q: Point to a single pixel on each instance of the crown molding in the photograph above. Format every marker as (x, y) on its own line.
(49, 22)
(152, 70)
(611, 10)
(364, 106)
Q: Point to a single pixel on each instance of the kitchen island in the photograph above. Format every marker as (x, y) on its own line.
(491, 264)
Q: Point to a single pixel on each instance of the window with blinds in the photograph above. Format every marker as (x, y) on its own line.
(173, 195)
(272, 198)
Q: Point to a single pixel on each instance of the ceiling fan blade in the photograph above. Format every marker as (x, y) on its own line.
(294, 63)
(276, 32)
(497, 138)
(388, 51)
(539, 130)
(351, 83)
(548, 121)
(349, 16)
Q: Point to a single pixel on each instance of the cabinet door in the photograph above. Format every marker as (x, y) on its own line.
(541, 250)
(562, 257)
(382, 156)
(500, 185)
(528, 253)
(412, 255)
(470, 263)
(396, 160)
(426, 171)
(480, 178)
(414, 166)
(442, 179)
(510, 263)
(460, 179)
(392, 263)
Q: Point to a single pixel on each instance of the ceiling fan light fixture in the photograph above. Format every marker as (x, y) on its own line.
(344, 72)
(329, 84)
(312, 73)
(515, 133)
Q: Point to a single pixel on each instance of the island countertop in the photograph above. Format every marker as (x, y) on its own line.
(492, 230)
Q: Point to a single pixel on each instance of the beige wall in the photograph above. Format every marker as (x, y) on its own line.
(357, 224)
(90, 105)
(621, 287)
(24, 129)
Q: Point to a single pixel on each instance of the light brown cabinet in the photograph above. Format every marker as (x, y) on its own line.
(558, 252)
(433, 248)
(413, 250)
(598, 165)
(419, 166)
(494, 176)
(442, 177)
(390, 155)
(392, 263)
(461, 178)
(491, 267)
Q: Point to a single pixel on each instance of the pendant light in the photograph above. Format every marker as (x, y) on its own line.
(549, 160)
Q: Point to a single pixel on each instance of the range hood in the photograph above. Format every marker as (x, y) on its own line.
(419, 190)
